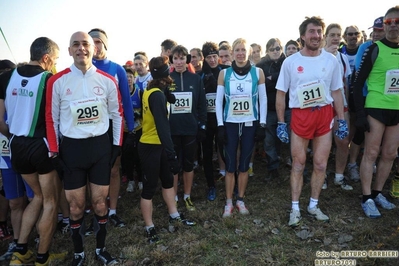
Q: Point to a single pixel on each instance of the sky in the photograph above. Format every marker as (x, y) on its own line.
(139, 25)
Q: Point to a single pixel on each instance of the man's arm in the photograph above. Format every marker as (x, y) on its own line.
(3, 125)
(126, 101)
(280, 105)
(338, 103)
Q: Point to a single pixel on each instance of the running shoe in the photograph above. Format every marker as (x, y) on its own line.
(106, 258)
(228, 210)
(189, 204)
(241, 207)
(19, 259)
(318, 214)
(383, 202)
(117, 221)
(295, 218)
(343, 184)
(370, 210)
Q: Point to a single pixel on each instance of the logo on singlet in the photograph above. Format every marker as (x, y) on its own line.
(25, 93)
(24, 82)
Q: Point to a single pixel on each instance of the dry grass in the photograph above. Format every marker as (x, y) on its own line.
(261, 238)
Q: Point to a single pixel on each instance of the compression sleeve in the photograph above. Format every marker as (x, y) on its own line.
(52, 113)
(262, 103)
(116, 114)
(219, 104)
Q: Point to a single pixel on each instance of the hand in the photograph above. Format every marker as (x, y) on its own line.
(342, 131)
(222, 140)
(201, 135)
(361, 122)
(174, 165)
(282, 132)
(170, 97)
(260, 134)
(129, 142)
(116, 151)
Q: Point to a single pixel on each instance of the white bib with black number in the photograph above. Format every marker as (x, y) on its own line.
(312, 94)
(240, 106)
(5, 150)
(86, 112)
(210, 102)
(392, 82)
(183, 104)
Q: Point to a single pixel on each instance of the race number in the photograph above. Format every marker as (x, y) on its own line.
(5, 150)
(240, 106)
(183, 104)
(392, 82)
(86, 111)
(211, 102)
(311, 94)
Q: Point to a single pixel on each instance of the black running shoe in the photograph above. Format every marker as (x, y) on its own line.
(174, 223)
(106, 258)
(152, 236)
(78, 259)
(117, 221)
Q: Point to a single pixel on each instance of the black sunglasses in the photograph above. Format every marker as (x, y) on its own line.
(275, 49)
(353, 33)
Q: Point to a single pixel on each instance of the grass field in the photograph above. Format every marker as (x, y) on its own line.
(261, 238)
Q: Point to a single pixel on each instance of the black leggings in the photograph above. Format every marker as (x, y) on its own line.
(130, 159)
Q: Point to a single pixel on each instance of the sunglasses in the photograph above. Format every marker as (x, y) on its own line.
(275, 49)
(389, 21)
(353, 33)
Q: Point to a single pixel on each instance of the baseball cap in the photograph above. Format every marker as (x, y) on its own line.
(129, 63)
(378, 23)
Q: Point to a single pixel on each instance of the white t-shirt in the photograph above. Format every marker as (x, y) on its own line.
(308, 77)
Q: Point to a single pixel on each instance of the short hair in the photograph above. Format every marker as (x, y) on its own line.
(180, 50)
(128, 70)
(226, 47)
(392, 9)
(141, 57)
(209, 47)
(42, 46)
(293, 42)
(223, 42)
(198, 50)
(168, 44)
(332, 26)
(316, 20)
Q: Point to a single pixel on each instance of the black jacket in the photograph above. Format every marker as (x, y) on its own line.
(271, 69)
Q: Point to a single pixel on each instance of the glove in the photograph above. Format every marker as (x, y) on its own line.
(201, 135)
(174, 165)
(170, 97)
(130, 141)
(260, 134)
(116, 151)
(361, 122)
(342, 131)
(222, 140)
(282, 132)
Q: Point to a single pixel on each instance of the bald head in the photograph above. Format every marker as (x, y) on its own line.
(82, 48)
(81, 35)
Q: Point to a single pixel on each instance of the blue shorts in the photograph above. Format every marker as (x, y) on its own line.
(239, 135)
(14, 185)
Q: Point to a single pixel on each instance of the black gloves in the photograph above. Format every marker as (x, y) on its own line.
(115, 152)
(174, 165)
(59, 166)
(361, 122)
(201, 135)
(222, 140)
(130, 141)
(260, 134)
(170, 97)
